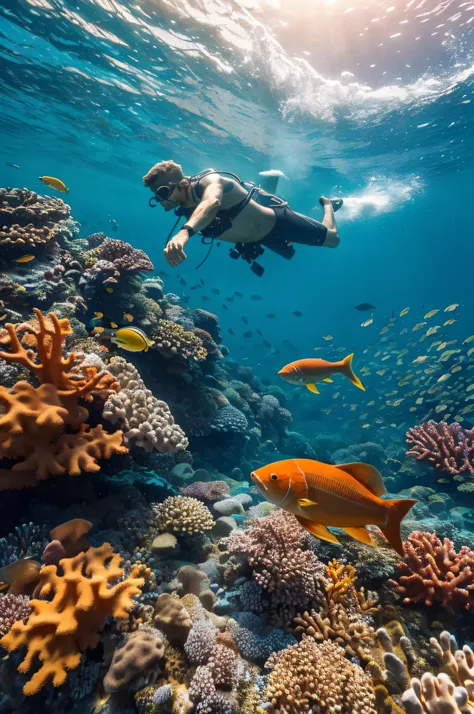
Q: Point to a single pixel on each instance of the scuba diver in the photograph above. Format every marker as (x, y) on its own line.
(218, 204)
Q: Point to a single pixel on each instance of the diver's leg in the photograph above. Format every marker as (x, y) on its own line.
(329, 220)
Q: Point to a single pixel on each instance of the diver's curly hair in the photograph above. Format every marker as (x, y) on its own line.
(161, 168)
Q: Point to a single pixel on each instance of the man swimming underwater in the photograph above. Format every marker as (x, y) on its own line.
(219, 205)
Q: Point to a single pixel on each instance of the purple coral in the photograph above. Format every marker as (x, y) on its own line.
(13, 608)
(448, 446)
(125, 257)
(209, 492)
(273, 547)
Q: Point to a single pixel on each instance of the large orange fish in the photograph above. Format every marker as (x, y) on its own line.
(309, 371)
(345, 496)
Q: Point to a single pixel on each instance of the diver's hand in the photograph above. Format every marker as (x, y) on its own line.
(174, 251)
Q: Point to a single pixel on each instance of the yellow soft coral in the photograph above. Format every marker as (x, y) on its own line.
(34, 419)
(341, 580)
(70, 620)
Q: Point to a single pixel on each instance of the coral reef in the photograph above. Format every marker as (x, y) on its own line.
(171, 339)
(448, 446)
(138, 659)
(273, 547)
(433, 572)
(146, 422)
(183, 515)
(80, 600)
(34, 418)
(309, 675)
(13, 608)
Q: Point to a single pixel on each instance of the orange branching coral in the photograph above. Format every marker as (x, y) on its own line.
(34, 419)
(70, 620)
(45, 358)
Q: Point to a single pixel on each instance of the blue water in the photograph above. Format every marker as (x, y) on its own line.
(372, 103)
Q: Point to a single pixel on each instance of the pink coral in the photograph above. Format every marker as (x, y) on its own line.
(433, 572)
(448, 446)
(274, 548)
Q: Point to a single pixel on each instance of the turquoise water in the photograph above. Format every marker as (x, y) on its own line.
(369, 101)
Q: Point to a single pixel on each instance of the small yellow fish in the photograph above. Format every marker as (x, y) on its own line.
(109, 290)
(418, 326)
(131, 339)
(452, 307)
(113, 325)
(420, 359)
(430, 314)
(367, 322)
(128, 317)
(419, 401)
(470, 352)
(457, 368)
(383, 330)
(2, 317)
(443, 378)
(370, 404)
(97, 331)
(446, 355)
(99, 314)
(55, 183)
(468, 339)
(433, 330)
(25, 258)
(440, 408)
(381, 372)
(328, 338)
(449, 322)
(405, 311)
(470, 388)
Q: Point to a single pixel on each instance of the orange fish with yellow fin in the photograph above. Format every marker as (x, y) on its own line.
(308, 372)
(345, 496)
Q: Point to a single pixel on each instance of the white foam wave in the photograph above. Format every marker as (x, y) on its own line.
(381, 195)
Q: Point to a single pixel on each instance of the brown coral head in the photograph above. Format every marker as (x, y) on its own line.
(172, 618)
(71, 536)
(53, 553)
(21, 576)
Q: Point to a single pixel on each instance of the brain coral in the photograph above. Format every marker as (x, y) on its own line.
(183, 515)
(139, 657)
(310, 677)
(146, 421)
(71, 614)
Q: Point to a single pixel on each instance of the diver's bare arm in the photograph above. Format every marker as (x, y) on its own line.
(207, 210)
(205, 213)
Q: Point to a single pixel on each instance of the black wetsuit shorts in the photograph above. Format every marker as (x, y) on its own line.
(292, 227)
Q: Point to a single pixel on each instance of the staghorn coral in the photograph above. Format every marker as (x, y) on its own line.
(171, 339)
(433, 572)
(342, 613)
(183, 515)
(137, 661)
(89, 590)
(13, 608)
(34, 418)
(273, 548)
(448, 446)
(146, 422)
(310, 675)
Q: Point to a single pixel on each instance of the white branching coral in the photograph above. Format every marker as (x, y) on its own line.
(147, 422)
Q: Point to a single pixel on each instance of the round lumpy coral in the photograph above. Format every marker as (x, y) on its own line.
(184, 515)
(310, 677)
